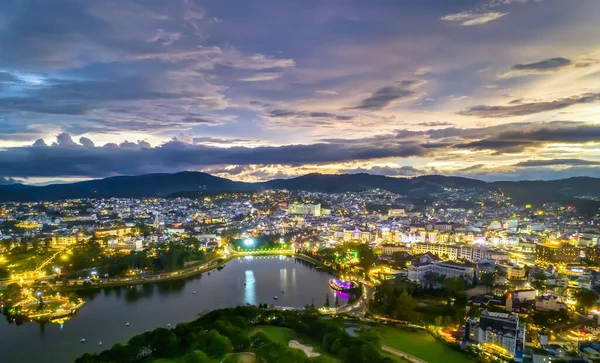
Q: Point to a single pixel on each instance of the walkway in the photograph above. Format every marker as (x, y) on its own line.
(401, 354)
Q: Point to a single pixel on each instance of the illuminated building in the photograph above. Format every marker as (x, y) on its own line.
(114, 232)
(549, 302)
(28, 225)
(62, 241)
(557, 253)
(497, 333)
(305, 209)
(396, 213)
(357, 235)
(418, 272)
(458, 252)
(388, 249)
(131, 244)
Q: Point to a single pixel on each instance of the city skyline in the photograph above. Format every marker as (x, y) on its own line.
(489, 89)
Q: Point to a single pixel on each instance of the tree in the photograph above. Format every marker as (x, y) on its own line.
(405, 306)
(585, 298)
(539, 280)
(401, 258)
(327, 305)
(195, 356)
(4, 273)
(366, 257)
(217, 344)
(431, 278)
(487, 279)
(439, 320)
(336, 303)
(454, 284)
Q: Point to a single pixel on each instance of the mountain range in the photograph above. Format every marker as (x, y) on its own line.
(187, 183)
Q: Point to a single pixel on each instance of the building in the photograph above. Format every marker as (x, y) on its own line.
(549, 302)
(357, 235)
(388, 249)
(305, 209)
(525, 295)
(553, 253)
(419, 271)
(497, 333)
(513, 272)
(396, 213)
(459, 252)
(59, 241)
(114, 232)
(127, 245)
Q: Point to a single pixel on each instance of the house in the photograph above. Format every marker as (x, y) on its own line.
(549, 303)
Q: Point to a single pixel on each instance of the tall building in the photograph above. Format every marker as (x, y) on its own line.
(498, 333)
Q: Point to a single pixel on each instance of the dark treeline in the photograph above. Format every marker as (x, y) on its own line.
(221, 332)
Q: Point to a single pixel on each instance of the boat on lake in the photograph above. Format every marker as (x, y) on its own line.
(344, 286)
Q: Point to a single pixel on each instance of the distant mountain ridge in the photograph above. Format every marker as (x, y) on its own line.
(165, 185)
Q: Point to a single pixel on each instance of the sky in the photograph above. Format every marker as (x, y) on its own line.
(264, 89)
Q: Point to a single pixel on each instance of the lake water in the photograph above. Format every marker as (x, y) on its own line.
(251, 280)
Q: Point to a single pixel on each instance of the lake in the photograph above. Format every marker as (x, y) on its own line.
(245, 280)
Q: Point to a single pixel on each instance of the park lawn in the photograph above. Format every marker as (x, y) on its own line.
(419, 344)
(284, 335)
(26, 262)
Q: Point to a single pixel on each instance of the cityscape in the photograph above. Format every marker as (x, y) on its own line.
(496, 280)
(315, 181)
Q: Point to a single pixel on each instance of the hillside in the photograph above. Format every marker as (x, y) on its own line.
(196, 183)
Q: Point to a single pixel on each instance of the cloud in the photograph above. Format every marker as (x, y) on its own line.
(468, 18)
(422, 71)
(326, 92)
(387, 171)
(7, 181)
(266, 76)
(388, 95)
(435, 123)
(556, 162)
(516, 138)
(529, 108)
(546, 64)
(67, 158)
(542, 67)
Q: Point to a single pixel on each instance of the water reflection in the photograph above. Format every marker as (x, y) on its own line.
(249, 290)
(149, 306)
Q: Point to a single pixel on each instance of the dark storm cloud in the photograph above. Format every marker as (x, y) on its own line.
(280, 113)
(544, 65)
(66, 158)
(556, 162)
(530, 108)
(385, 96)
(532, 135)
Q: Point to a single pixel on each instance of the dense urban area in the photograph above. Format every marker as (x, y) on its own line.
(495, 280)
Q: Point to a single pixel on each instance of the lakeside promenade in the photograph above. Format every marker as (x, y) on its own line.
(185, 272)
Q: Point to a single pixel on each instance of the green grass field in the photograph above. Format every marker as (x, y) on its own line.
(284, 335)
(25, 262)
(419, 344)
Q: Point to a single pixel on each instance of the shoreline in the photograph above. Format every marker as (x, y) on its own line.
(195, 270)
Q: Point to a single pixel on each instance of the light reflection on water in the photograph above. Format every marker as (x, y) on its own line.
(150, 306)
(250, 291)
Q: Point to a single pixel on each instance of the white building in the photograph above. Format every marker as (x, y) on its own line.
(493, 330)
(131, 244)
(418, 272)
(305, 209)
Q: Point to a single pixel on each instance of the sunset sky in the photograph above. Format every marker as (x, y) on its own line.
(261, 89)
